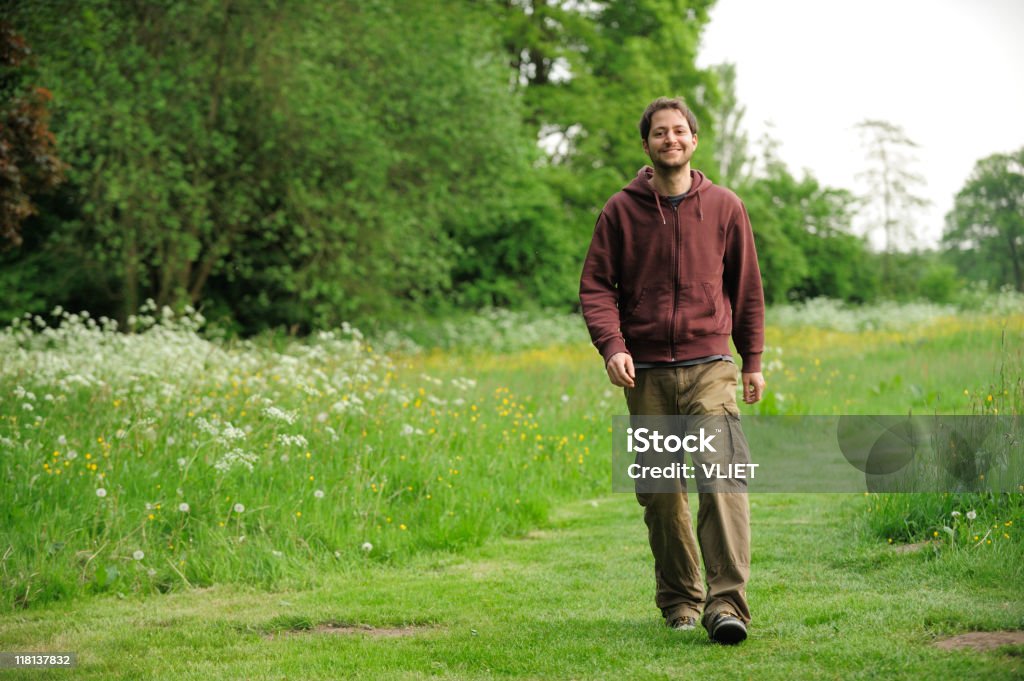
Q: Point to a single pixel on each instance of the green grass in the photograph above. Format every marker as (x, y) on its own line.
(573, 600)
(434, 467)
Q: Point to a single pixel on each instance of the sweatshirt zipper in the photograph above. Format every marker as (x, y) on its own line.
(675, 281)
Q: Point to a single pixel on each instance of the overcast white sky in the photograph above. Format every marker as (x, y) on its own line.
(950, 72)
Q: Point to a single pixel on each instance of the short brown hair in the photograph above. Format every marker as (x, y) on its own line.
(660, 103)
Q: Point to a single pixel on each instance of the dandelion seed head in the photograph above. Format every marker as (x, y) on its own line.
(972, 514)
(239, 508)
(101, 492)
(183, 507)
(319, 494)
(138, 555)
(366, 547)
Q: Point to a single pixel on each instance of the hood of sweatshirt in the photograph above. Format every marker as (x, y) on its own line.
(641, 189)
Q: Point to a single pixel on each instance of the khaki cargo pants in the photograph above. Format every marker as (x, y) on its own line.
(723, 519)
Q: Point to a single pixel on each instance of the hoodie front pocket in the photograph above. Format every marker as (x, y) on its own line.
(644, 318)
(698, 303)
(636, 303)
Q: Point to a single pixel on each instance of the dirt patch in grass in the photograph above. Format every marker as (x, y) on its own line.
(911, 548)
(347, 628)
(982, 640)
(366, 629)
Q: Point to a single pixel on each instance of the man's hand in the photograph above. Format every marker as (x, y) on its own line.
(620, 370)
(753, 387)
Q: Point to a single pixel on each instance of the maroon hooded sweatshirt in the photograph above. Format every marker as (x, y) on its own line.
(668, 285)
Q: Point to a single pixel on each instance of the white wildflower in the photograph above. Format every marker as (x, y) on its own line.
(100, 492)
(207, 427)
(239, 508)
(279, 415)
(71, 455)
(955, 514)
(292, 440)
(319, 494)
(463, 383)
(138, 555)
(236, 457)
(183, 507)
(367, 546)
(971, 515)
(231, 433)
(170, 440)
(62, 440)
(182, 461)
(277, 553)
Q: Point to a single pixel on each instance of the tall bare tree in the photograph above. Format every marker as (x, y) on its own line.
(731, 142)
(891, 156)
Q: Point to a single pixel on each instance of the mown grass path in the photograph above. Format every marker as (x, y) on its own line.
(571, 601)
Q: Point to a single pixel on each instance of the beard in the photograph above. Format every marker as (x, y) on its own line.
(671, 164)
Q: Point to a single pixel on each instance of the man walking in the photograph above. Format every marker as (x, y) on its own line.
(671, 273)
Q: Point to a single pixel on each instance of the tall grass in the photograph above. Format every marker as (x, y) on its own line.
(159, 459)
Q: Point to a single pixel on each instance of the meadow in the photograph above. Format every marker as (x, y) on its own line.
(170, 460)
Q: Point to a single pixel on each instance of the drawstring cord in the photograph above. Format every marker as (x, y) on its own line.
(658, 201)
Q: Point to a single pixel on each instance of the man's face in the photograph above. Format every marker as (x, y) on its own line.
(670, 143)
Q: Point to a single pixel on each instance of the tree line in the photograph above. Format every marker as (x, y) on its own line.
(299, 164)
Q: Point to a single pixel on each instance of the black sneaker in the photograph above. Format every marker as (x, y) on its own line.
(727, 629)
(684, 623)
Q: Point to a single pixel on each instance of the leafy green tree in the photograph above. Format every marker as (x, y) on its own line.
(802, 233)
(985, 230)
(586, 71)
(294, 165)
